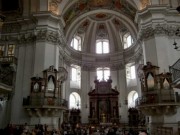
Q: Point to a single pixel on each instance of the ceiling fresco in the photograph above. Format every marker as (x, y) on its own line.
(83, 27)
(84, 6)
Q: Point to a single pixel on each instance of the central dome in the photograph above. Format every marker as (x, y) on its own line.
(92, 21)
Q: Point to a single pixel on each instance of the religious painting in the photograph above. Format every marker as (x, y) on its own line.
(103, 107)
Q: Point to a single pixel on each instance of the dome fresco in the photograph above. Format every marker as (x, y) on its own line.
(85, 17)
(83, 6)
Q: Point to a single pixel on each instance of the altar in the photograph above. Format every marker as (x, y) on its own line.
(103, 103)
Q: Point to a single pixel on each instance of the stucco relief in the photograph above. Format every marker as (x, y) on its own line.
(53, 6)
(158, 29)
(144, 3)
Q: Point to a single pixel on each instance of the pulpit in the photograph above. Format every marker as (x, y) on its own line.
(103, 103)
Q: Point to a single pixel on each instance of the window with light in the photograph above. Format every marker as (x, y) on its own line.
(130, 72)
(132, 96)
(75, 73)
(74, 101)
(127, 40)
(11, 50)
(7, 50)
(102, 46)
(103, 73)
(76, 43)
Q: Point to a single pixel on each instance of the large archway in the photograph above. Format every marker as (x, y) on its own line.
(132, 96)
(74, 101)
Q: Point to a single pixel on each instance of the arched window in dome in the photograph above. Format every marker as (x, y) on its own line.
(74, 101)
(76, 43)
(103, 73)
(102, 46)
(127, 40)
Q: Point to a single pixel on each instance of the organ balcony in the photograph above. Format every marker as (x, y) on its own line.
(158, 96)
(45, 97)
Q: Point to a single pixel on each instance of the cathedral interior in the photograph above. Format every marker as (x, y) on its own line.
(91, 63)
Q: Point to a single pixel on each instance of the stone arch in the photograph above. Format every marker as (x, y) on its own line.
(74, 100)
(132, 96)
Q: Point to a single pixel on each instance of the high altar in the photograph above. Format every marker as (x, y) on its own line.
(103, 103)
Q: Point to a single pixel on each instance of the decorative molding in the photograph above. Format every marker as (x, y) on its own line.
(11, 28)
(53, 6)
(90, 62)
(144, 3)
(33, 36)
(159, 29)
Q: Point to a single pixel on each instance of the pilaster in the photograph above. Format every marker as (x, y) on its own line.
(157, 28)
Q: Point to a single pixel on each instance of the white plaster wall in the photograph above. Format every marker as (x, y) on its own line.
(66, 86)
(166, 55)
(22, 87)
(92, 78)
(85, 84)
(46, 54)
(3, 114)
(131, 82)
(114, 76)
(172, 54)
(50, 55)
(149, 48)
(122, 87)
(43, 5)
(39, 58)
(172, 121)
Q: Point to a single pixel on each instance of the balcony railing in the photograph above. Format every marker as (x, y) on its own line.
(8, 60)
(158, 99)
(46, 101)
(175, 70)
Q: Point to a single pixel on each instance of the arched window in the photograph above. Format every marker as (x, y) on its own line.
(76, 43)
(103, 73)
(102, 46)
(74, 101)
(132, 96)
(130, 71)
(127, 40)
(75, 81)
(75, 73)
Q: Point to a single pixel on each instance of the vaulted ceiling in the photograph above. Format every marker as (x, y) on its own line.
(93, 19)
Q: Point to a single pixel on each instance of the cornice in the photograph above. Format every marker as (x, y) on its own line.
(115, 61)
(37, 33)
(158, 30)
(29, 36)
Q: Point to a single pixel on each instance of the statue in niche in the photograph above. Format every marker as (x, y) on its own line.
(50, 85)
